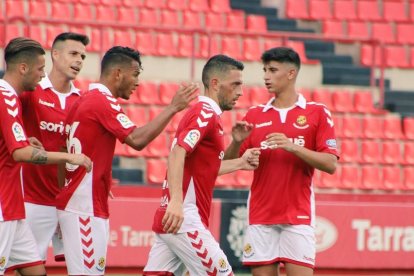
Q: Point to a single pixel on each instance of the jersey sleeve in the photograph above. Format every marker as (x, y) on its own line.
(113, 118)
(325, 133)
(195, 125)
(247, 142)
(11, 124)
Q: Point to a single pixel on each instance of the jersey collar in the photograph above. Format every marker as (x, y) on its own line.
(46, 83)
(301, 102)
(102, 88)
(4, 84)
(212, 103)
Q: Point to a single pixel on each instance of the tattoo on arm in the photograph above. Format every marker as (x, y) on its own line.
(38, 156)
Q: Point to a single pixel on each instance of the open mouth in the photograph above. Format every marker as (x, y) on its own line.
(77, 69)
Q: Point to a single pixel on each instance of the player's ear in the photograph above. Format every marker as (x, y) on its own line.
(23, 68)
(214, 83)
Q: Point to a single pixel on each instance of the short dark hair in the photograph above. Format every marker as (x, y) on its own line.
(71, 36)
(221, 64)
(282, 55)
(22, 49)
(119, 55)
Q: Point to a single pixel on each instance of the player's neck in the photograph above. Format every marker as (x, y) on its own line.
(59, 82)
(110, 85)
(13, 81)
(285, 99)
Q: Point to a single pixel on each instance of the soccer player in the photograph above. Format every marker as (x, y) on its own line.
(182, 239)
(25, 64)
(295, 138)
(96, 120)
(44, 114)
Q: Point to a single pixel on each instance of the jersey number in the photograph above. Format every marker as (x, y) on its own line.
(73, 144)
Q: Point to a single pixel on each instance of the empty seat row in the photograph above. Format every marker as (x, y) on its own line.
(364, 10)
(388, 56)
(367, 177)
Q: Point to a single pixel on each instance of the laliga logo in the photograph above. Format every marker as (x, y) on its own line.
(326, 234)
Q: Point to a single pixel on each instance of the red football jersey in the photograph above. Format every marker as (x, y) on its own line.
(200, 133)
(44, 115)
(94, 123)
(12, 137)
(281, 192)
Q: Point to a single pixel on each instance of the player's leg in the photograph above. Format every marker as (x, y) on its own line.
(42, 220)
(297, 248)
(261, 249)
(85, 241)
(200, 252)
(24, 256)
(57, 243)
(162, 261)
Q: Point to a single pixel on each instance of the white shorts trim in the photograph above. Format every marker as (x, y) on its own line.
(267, 244)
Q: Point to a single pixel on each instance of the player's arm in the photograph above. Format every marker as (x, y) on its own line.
(39, 156)
(174, 214)
(240, 131)
(248, 161)
(142, 136)
(323, 161)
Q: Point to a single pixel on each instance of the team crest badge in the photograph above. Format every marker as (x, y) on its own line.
(301, 122)
(223, 267)
(2, 263)
(101, 264)
(248, 250)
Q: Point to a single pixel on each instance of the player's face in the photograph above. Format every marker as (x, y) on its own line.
(230, 89)
(34, 73)
(278, 76)
(68, 58)
(129, 80)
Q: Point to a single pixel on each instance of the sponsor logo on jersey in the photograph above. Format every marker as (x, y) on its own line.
(300, 141)
(223, 267)
(331, 143)
(18, 132)
(101, 264)
(124, 120)
(46, 103)
(52, 127)
(326, 234)
(301, 122)
(192, 137)
(2, 263)
(263, 124)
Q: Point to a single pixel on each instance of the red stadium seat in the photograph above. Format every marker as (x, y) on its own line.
(138, 115)
(320, 9)
(350, 151)
(391, 152)
(165, 45)
(227, 121)
(214, 21)
(35, 32)
(235, 21)
(350, 176)
(252, 49)
(392, 128)
(412, 56)
(226, 180)
(357, 29)
(299, 47)
(103, 39)
(367, 57)
(154, 4)
(368, 10)
(231, 46)
(330, 180)
(199, 5)
(371, 177)
(408, 126)
(177, 5)
(409, 178)
(105, 14)
(175, 121)
(333, 28)
(256, 23)
(124, 38)
(145, 43)
(391, 178)
(185, 45)
(344, 10)
(83, 12)
(159, 147)
(61, 10)
(338, 118)
(15, 9)
(323, 96)
(297, 9)
(363, 102)
(126, 15)
(191, 19)
(343, 101)
(394, 11)
(405, 33)
(352, 126)
(220, 6)
(156, 170)
(396, 56)
(244, 100)
(147, 93)
(111, 2)
(148, 17)
(169, 18)
(383, 32)
(38, 10)
(307, 93)
(271, 43)
(244, 178)
(370, 152)
(408, 157)
(208, 46)
(167, 91)
(372, 127)
(259, 95)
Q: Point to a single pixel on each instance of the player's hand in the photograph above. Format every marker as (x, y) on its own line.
(250, 159)
(241, 130)
(279, 140)
(186, 93)
(34, 142)
(82, 160)
(174, 217)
